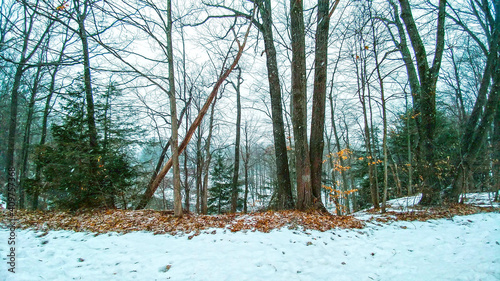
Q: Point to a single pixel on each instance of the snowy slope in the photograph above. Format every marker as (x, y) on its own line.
(465, 248)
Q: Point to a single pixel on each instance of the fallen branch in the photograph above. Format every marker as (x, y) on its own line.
(154, 185)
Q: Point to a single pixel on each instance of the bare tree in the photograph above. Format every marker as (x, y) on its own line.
(173, 115)
(305, 196)
(483, 113)
(236, 167)
(224, 74)
(29, 47)
(284, 192)
(423, 89)
(319, 95)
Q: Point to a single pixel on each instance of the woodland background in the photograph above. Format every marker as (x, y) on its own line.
(327, 104)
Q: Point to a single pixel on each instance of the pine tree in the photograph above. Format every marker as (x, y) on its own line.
(219, 200)
(67, 161)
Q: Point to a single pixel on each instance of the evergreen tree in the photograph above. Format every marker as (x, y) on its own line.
(446, 145)
(67, 160)
(219, 200)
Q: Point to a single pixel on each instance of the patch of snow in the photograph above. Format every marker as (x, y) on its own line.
(483, 199)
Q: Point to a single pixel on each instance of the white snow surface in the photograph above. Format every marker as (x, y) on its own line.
(461, 248)
(464, 248)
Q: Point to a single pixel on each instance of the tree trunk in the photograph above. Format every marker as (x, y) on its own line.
(246, 160)
(89, 101)
(206, 165)
(46, 111)
(199, 171)
(349, 163)
(284, 192)
(319, 97)
(305, 197)
(11, 143)
(173, 115)
(424, 91)
(186, 171)
(234, 187)
(361, 83)
(27, 138)
(496, 154)
(384, 112)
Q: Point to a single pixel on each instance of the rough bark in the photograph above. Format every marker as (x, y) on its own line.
(284, 192)
(305, 197)
(319, 97)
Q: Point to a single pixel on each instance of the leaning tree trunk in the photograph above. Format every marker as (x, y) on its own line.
(152, 188)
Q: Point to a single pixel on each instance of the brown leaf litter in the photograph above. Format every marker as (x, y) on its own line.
(160, 222)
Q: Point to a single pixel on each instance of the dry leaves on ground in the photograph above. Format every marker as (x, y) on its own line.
(424, 214)
(160, 222)
(101, 221)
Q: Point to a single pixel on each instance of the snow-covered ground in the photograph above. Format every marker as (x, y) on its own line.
(465, 248)
(461, 248)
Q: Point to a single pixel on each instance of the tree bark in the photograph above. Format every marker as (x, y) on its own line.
(27, 138)
(384, 112)
(305, 197)
(284, 192)
(199, 171)
(425, 88)
(173, 115)
(496, 154)
(361, 75)
(206, 165)
(319, 96)
(234, 187)
(82, 10)
(46, 111)
(246, 160)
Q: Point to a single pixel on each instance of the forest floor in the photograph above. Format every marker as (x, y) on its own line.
(461, 242)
